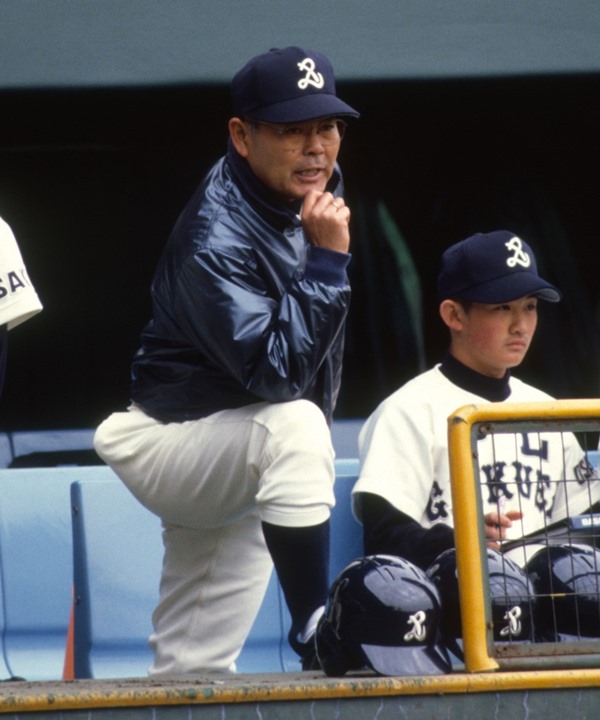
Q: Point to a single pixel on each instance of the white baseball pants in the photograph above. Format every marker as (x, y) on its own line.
(213, 481)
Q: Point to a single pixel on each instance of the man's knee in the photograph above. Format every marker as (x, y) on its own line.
(297, 471)
(104, 440)
(300, 426)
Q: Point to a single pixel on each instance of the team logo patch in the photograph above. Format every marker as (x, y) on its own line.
(519, 257)
(514, 627)
(419, 630)
(311, 78)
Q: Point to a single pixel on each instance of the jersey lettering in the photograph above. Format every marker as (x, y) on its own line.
(584, 471)
(505, 480)
(543, 486)
(523, 479)
(527, 449)
(436, 508)
(494, 479)
(12, 282)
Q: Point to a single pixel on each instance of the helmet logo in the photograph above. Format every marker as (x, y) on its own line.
(419, 630)
(520, 257)
(311, 78)
(514, 622)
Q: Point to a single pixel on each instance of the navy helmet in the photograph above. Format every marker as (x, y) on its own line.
(511, 595)
(382, 613)
(566, 579)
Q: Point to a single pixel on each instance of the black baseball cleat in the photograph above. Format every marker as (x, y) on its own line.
(308, 657)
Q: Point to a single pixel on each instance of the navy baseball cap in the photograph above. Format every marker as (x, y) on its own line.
(492, 268)
(287, 85)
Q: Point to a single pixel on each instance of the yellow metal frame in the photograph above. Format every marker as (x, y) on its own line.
(468, 520)
(88, 695)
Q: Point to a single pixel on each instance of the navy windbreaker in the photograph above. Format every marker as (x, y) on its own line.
(244, 309)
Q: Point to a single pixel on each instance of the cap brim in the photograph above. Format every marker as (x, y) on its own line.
(511, 287)
(418, 660)
(308, 107)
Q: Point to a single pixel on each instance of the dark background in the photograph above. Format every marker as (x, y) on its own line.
(92, 179)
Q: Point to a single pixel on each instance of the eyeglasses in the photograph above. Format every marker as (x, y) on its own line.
(293, 137)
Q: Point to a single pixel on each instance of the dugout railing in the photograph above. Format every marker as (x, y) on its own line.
(468, 428)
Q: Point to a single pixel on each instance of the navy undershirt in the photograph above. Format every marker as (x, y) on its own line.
(492, 389)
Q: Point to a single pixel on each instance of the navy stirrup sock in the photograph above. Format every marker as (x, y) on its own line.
(301, 559)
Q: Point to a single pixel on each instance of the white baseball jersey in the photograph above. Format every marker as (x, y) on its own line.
(18, 298)
(404, 459)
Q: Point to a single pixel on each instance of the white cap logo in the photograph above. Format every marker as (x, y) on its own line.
(311, 78)
(520, 257)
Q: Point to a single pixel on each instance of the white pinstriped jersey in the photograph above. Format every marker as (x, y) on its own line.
(404, 459)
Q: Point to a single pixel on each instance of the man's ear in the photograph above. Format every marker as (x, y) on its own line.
(238, 133)
(452, 314)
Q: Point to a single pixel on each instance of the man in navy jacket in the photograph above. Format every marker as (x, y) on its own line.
(226, 437)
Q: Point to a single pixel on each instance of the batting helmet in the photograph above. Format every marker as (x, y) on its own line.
(511, 596)
(381, 613)
(566, 579)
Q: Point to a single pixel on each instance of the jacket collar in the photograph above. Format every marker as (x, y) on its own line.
(268, 204)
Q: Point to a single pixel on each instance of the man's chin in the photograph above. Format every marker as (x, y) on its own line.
(301, 190)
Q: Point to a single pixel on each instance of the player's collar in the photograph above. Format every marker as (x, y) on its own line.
(492, 389)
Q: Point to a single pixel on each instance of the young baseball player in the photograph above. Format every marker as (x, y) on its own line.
(18, 298)
(238, 373)
(489, 290)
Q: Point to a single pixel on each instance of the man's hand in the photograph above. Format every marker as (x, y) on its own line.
(325, 220)
(496, 524)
